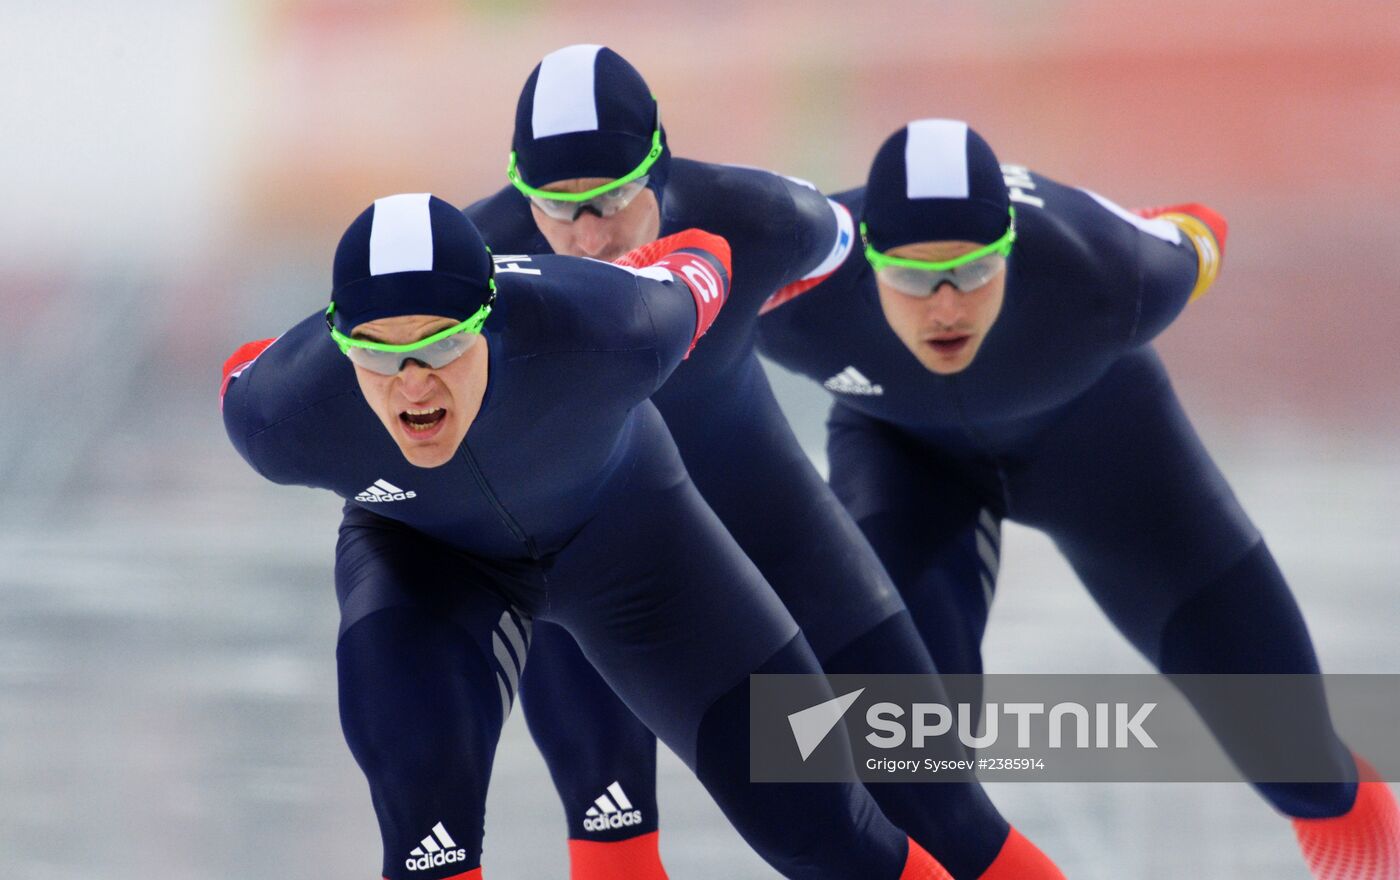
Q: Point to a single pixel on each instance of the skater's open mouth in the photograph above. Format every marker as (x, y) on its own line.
(422, 421)
(949, 344)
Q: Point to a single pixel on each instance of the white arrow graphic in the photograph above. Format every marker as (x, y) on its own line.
(811, 726)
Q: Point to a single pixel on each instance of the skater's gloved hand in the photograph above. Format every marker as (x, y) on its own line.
(698, 258)
(238, 361)
(1193, 210)
(653, 253)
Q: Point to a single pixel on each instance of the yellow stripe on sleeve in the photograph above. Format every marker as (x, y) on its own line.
(1207, 250)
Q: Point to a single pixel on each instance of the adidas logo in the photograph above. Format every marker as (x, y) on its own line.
(435, 850)
(383, 490)
(611, 812)
(851, 381)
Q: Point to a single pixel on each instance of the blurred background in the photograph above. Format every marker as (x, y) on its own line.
(175, 177)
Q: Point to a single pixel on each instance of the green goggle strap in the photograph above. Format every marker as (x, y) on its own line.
(513, 173)
(470, 325)
(879, 260)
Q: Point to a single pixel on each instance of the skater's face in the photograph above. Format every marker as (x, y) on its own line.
(592, 235)
(427, 411)
(945, 329)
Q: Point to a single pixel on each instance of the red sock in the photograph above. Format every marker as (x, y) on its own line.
(636, 858)
(921, 866)
(1020, 859)
(1362, 843)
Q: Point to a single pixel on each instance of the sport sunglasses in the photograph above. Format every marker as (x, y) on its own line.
(922, 277)
(605, 200)
(437, 350)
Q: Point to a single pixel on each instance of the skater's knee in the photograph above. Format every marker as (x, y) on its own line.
(418, 702)
(1244, 621)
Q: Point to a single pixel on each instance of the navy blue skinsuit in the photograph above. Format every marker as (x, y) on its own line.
(566, 502)
(1065, 421)
(746, 462)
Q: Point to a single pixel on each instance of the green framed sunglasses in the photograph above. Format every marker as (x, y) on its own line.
(922, 277)
(437, 350)
(547, 196)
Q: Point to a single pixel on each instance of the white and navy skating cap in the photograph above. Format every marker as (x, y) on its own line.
(585, 112)
(935, 180)
(410, 254)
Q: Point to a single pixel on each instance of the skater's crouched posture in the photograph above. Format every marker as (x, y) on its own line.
(990, 357)
(490, 432)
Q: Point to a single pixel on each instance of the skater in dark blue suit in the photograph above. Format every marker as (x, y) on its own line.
(990, 357)
(491, 434)
(592, 175)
